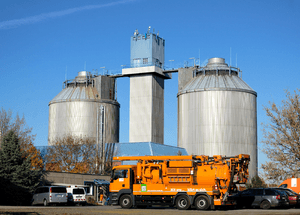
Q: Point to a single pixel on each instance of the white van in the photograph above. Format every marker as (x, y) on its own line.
(50, 195)
(76, 195)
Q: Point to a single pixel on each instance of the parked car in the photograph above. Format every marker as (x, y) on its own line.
(47, 195)
(76, 195)
(264, 198)
(294, 198)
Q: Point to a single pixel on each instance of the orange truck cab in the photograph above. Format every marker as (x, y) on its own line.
(291, 183)
(180, 181)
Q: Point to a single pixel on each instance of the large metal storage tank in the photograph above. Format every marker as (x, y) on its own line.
(217, 112)
(86, 107)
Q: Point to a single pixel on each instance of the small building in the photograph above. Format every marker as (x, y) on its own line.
(147, 50)
(90, 182)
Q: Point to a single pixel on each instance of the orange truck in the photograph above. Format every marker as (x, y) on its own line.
(291, 183)
(182, 181)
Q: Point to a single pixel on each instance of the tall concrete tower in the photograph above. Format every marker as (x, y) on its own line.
(147, 56)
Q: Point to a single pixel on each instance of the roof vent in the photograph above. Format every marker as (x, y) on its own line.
(83, 73)
(216, 61)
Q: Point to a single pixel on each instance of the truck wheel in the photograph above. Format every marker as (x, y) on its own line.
(183, 202)
(202, 203)
(126, 201)
(265, 205)
(45, 202)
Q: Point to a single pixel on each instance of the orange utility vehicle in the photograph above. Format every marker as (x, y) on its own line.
(201, 181)
(291, 183)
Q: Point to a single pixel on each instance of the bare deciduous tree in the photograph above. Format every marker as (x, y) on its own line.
(75, 155)
(281, 138)
(18, 125)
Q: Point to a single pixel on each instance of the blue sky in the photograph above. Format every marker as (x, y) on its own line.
(42, 42)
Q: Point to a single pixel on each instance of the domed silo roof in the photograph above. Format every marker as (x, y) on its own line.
(217, 75)
(217, 113)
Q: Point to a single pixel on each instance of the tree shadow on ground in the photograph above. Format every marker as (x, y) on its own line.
(20, 213)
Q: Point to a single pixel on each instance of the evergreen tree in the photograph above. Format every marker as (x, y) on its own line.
(17, 179)
(23, 131)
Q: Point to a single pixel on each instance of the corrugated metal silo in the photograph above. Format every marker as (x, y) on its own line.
(217, 112)
(86, 107)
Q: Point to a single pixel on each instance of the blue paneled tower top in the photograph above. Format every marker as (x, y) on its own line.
(147, 50)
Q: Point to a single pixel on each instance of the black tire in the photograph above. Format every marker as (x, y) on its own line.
(202, 203)
(265, 204)
(183, 202)
(126, 201)
(45, 202)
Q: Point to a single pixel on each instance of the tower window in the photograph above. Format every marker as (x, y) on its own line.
(136, 62)
(145, 60)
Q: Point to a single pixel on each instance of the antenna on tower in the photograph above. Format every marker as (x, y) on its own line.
(236, 61)
(66, 73)
(199, 59)
(230, 56)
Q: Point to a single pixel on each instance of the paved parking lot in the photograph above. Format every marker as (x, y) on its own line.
(91, 210)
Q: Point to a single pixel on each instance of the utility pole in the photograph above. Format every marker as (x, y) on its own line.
(102, 109)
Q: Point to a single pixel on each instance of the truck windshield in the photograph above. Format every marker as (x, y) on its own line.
(119, 173)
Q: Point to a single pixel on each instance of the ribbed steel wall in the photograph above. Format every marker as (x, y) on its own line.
(76, 110)
(217, 115)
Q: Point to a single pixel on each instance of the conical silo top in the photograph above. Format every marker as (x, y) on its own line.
(216, 75)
